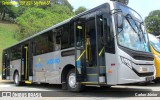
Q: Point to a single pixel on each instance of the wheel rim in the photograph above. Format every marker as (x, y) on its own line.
(16, 78)
(72, 80)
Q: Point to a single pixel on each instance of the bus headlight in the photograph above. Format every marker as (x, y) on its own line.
(143, 69)
(126, 62)
(129, 64)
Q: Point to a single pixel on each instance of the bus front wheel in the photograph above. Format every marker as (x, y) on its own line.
(72, 84)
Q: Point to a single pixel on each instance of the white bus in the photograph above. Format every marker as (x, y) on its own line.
(103, 46)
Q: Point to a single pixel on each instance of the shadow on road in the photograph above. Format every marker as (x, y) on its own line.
(114, 91)
(90, 91)
(152, 84)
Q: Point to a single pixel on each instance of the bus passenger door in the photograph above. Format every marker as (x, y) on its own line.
(100, 30)
(89, 50)
(6, 66)
(90, 56)
(80, 57)
(25, 63)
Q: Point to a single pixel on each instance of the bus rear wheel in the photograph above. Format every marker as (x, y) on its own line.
(16, 79)
(72, 84)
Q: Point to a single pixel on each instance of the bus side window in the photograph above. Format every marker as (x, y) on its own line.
(33, 47)
(71, 33)
(65, 37)
(58, 43)
(50, 42)
(80, 36)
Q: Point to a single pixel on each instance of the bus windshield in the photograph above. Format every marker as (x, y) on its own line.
(132, 36)
(155, 42)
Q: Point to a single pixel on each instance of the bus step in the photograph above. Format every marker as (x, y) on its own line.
(95, 78)
(94, 70)
(28, 82)
(92, 77)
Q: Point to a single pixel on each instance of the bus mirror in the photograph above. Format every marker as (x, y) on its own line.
(119, 21)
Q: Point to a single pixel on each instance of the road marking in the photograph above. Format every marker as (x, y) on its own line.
(5, 86)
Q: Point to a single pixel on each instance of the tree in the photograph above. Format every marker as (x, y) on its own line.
(11, 10)
(62, 2)
(61, 10)
(80, 9)
(3, 9)
(68, 5)
(153, 22)
(36, 19)
(33, 19)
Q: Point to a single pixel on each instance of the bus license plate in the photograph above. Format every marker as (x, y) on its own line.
(144, 69)
(149, 78)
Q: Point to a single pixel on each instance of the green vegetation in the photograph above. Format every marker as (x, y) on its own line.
(7, 31)
(35, 19)
(153, 22)
(29, 20)
(80, 9)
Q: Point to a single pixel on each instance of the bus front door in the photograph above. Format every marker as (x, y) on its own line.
(90, 58)
(100, 25)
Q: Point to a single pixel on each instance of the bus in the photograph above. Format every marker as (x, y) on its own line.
(155, 49)
(103, 46)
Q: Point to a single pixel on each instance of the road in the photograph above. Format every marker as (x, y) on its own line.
(123, 92)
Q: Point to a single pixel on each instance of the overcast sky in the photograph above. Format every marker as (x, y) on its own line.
(143, 7)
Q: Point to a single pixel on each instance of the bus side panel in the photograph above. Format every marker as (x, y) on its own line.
(15, 65)
(48, 67)
(111, 69)
(39, 63)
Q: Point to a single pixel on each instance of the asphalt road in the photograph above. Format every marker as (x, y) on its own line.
(89, 93)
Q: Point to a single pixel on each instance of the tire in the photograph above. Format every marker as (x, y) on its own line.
(156, 80)
(16, 79)
(105, 87)
(144, 84)
(72, 85)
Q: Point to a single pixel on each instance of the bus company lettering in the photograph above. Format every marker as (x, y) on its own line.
(39, 64)
(49, 62)
(53, 61)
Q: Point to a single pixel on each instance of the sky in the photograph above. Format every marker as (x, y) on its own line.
(143, 7)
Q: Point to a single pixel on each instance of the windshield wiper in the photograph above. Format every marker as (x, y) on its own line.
(114, 11)
(140, 28)
(129, 16)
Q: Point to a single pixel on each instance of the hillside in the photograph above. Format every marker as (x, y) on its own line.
(7, 31)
